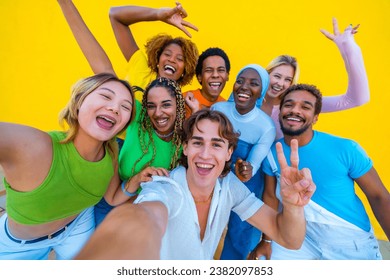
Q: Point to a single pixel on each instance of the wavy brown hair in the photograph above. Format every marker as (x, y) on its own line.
(155, 47)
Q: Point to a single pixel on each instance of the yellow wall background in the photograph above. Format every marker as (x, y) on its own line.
(40, 60)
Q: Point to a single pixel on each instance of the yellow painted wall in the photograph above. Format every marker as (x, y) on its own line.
(40, 60)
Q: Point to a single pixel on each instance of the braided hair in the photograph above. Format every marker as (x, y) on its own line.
(146, 126)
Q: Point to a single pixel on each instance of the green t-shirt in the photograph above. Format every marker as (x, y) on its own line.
(132, 151)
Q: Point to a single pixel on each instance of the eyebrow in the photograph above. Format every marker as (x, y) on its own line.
(212, 139)
(113, 92)
(164, 101)
(304, 101)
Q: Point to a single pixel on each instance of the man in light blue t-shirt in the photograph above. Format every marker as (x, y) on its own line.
(338, 226)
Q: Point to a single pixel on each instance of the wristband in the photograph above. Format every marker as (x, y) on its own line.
(131, 194)
(267, 240)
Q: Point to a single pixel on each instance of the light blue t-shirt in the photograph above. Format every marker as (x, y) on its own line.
(255, 128)
(181, 240)
(334, 163)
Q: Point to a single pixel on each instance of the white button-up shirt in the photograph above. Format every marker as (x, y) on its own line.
(181, 240)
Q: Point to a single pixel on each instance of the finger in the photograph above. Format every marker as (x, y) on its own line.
(280, 155)
(336, 30)
(182, 28)
(355, 28)
(189, 25)
(327, 34)
(162, 172)
(181, 10)
(306, 173)
(294, 157)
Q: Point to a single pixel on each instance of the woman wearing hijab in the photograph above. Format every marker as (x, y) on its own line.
(257, 133)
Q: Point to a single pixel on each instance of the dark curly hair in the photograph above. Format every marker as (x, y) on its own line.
(309, 88)
(156, 45)
(212, 52)
(226, 131)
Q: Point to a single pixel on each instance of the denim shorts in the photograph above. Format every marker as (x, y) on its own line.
(66, 245)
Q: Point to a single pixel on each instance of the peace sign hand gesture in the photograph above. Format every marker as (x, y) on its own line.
(296, 186)
(175, 16)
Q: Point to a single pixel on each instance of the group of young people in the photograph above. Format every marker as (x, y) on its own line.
(189, 165)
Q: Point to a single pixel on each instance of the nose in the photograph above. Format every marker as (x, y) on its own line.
(114, 109)
(280, 82)
(295, 109)
(158, 111)
(205, 152)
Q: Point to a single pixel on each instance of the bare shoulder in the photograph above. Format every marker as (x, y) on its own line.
(21, 149)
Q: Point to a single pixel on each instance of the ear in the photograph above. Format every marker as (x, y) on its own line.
(315, 119)
(229, 153)
(185, 145)
(199, 78)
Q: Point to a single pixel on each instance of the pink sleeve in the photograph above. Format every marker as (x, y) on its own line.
(358, 92)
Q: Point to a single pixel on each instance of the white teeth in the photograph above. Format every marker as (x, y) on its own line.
(244, 95)
(276, 88)
(215, 84)
(203, 165)
(294, 119)
(169, 67)
(161, 121)
(107, 119)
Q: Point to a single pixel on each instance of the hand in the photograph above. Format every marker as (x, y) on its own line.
(175, 16)
(192, 102)
(261, 249)
(338, 37)
(243, 170)
(145, 176)
(296, 186)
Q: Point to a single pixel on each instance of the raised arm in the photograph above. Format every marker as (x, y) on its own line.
(358, 92)
(287, 227)
(93, 52)
(378, 197)
(123, 16)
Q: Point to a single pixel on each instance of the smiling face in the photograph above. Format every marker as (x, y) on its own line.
(297, 113)
(207, 152)
(247, 90)
(213, 77)
(281, 77)
(105, 111)
(161, 109)
(171, 62)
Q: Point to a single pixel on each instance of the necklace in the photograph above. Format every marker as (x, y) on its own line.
(164, 135)
(204, 201)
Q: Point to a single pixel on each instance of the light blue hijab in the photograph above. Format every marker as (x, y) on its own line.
(264, 77)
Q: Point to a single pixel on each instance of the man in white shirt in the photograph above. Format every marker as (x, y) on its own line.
(188, 210)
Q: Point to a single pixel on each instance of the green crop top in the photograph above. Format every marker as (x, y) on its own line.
(72, 185)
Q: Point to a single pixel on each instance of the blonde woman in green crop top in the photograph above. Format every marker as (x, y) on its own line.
(54, 179)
